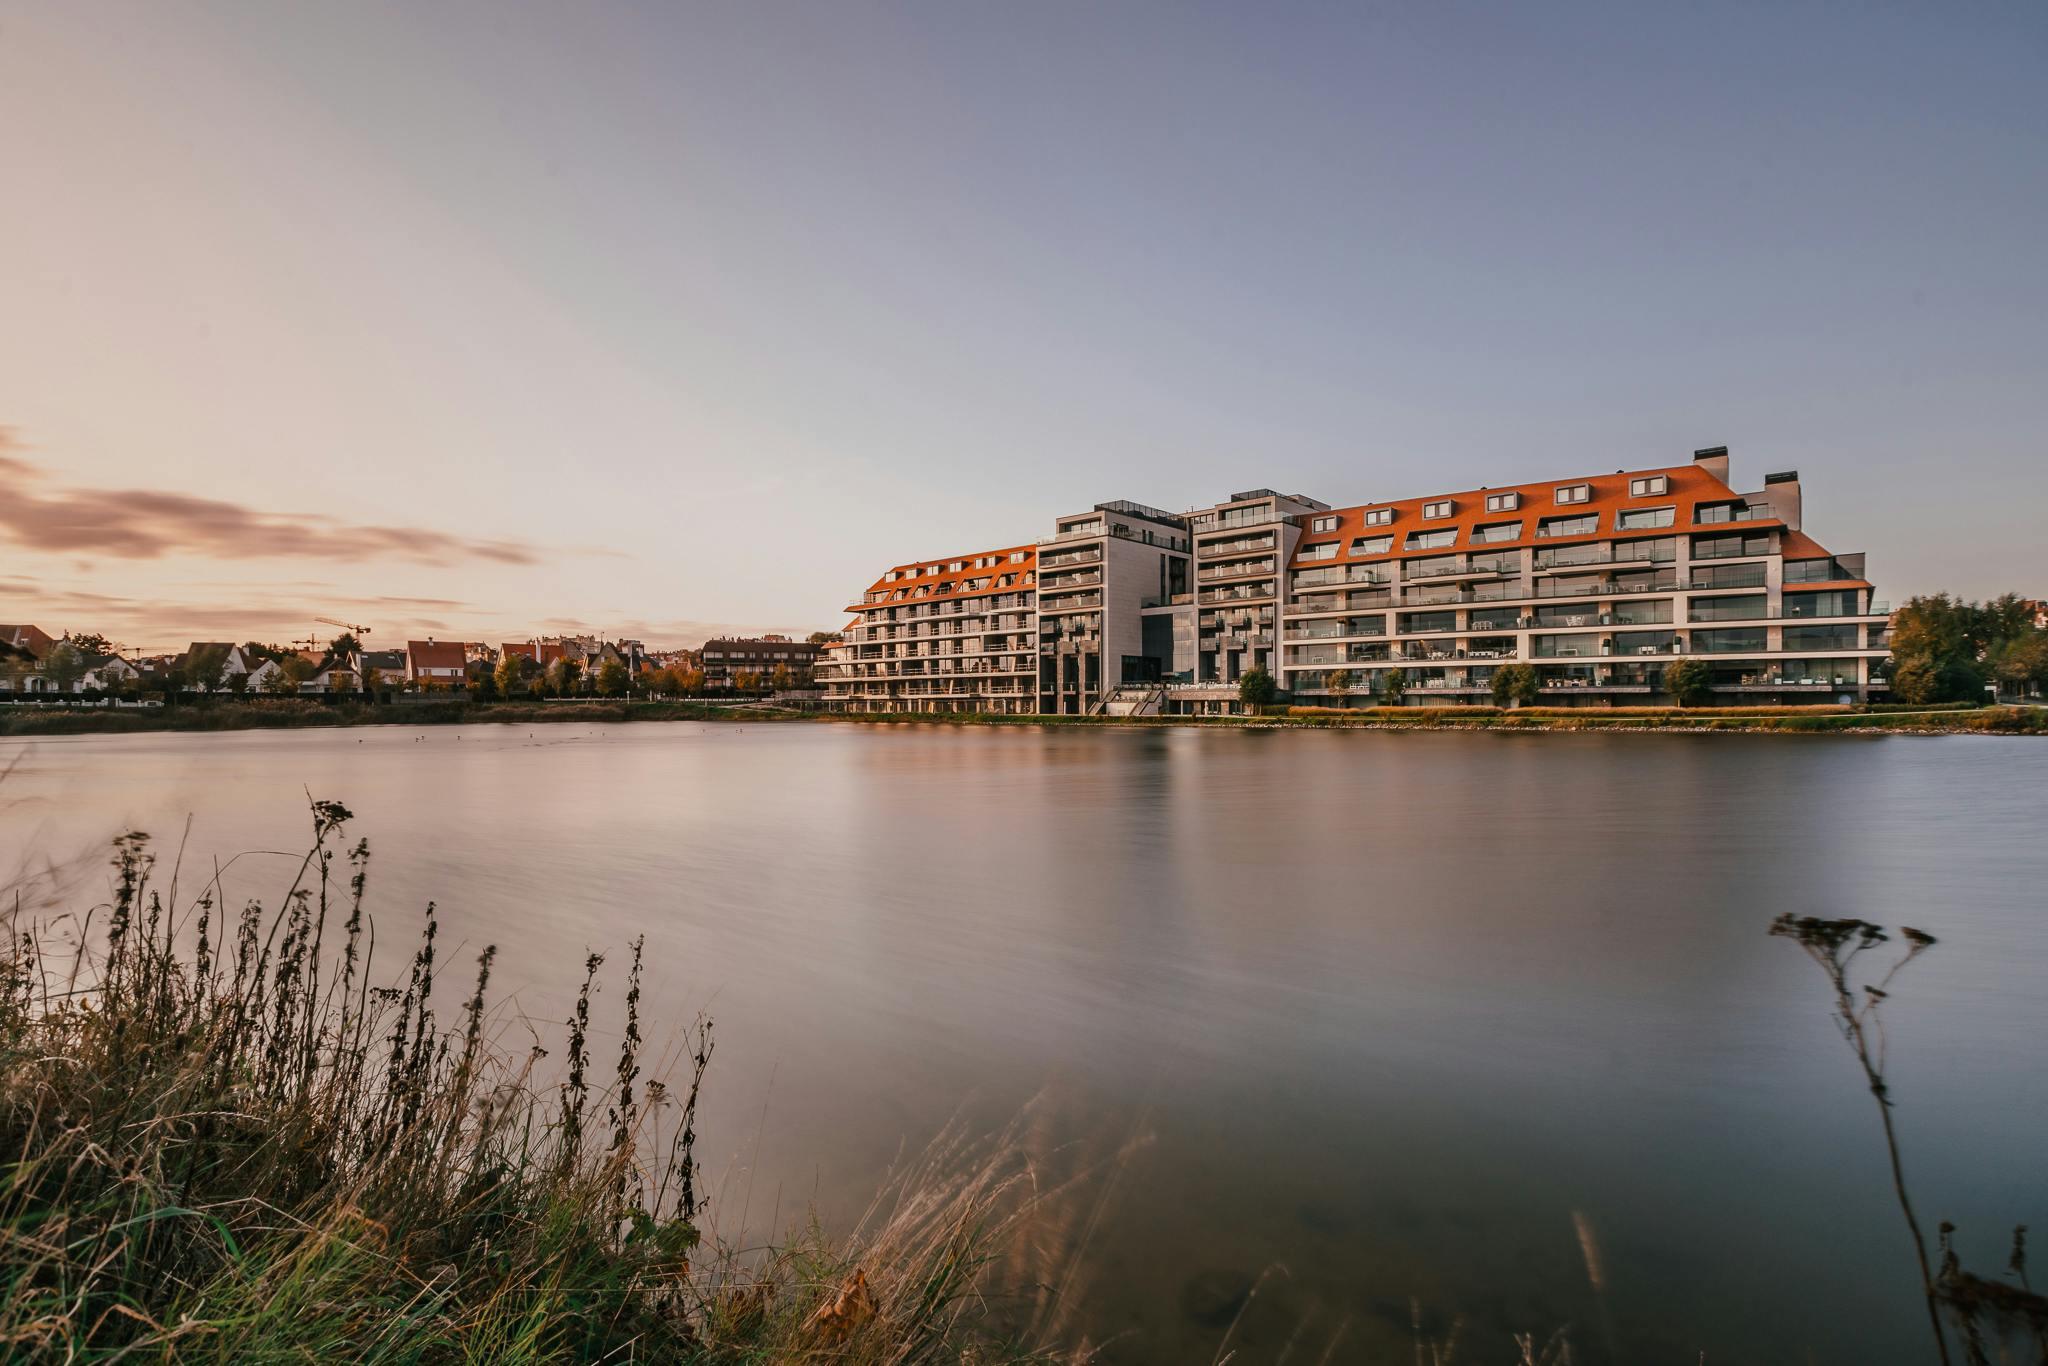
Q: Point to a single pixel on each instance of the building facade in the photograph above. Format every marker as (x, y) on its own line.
(725, 659)
(1597, 582)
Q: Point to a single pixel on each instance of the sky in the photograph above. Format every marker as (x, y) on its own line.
(662, 319)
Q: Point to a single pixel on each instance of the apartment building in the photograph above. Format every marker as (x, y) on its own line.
(1596, 581)
(726, 658)
(955, 634)
(1102, 575)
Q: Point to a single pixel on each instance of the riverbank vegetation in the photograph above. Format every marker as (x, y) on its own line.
(296, 713)
(225, 1139)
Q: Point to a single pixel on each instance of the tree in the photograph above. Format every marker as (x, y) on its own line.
(299, 669)
(95, 646)
(1337, 683)
(2022, 661)
(563, 676)
(612, 678)
(343, 647)
(1516, 685)
(280, 682)
(2004, 618)
(1256, 688)
(238, 683)
(1394, 686)
(64, 665)
(782, 680)
(690, 682)
(746, 680)
(205, 666)
(1689, 681)
(510, 674)
(484, 687)
(824, 637)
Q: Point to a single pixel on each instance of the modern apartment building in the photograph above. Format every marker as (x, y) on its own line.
(1101, 576)
(1597, 581)
(727, 657)
(955, 634)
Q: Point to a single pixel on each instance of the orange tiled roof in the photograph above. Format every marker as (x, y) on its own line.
(937, 581)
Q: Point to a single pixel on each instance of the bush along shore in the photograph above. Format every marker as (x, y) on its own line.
(224, 1140)
(294, 713)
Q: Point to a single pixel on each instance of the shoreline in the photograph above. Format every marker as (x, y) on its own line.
(25, 723)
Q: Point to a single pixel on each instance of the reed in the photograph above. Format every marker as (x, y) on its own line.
(222, 1137)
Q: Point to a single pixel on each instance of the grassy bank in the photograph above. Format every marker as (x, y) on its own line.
(298, 714)
(224, 1139)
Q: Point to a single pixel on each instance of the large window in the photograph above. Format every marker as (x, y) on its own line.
(1838, 603)
(1728, 576)
(1582, 613)
(1656, 549)
(1430, 566)
(1729, 547)
(1586, 525)
(1326, 551)
(1417, 623)
(1721, 642)
(1644, 519)
(1496, 531)
(1739, 607)
(1822, 637)
(1714, 514)
(1644, 642)
(1813, 571)
(1432, 540)
(1651, 612)
(1372, 545)
(1567, 647)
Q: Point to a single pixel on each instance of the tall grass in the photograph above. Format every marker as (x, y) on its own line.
(224, 1138)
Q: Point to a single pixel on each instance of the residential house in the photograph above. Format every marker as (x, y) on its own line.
(441, 662)
(726, 658)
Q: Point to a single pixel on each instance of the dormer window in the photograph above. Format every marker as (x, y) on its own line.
(1443, 507)
(1379, 516)
(1017, 556)
(1503, 502)
(1323, 524)
(1574, 493)
(1372, 545)
(1326, 551)
(1650, 486)
(1432, 540)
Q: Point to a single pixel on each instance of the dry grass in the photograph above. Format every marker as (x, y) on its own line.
(224, 1141)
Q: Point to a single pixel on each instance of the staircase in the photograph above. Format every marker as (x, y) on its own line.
(1132, 699)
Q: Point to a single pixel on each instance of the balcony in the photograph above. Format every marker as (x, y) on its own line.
(1236, 571)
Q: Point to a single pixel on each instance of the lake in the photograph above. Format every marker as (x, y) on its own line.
(1480, 1027)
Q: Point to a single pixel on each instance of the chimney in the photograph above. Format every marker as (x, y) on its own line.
(1714, 460)
(1781, 495)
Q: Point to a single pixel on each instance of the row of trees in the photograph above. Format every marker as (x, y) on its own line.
(1947, 649)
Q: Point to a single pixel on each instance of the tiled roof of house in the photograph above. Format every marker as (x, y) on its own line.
(432, 654)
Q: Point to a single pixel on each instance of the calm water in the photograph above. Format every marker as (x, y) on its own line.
(1388, 1018)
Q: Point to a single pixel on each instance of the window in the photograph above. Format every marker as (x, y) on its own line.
(1569, 526)
(1416, 623)
(1496, 531)
(1728, 642)
(1835, 604)
(1323, 524)
(1372, 545)
(1379, 516)
(1713, 514)
(1326, 551)
(1017, 556)
(1644, 519)
(1812, 571)
(1748, 607)
(1822, 638)
(1440, 508)
(1574, 493)
(1654, 486)
(1503, 502)
(1432, 540)
(1729, 547)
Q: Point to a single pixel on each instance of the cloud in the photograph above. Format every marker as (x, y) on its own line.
(146, 524)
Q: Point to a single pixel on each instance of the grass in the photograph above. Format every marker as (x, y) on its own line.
(222, 1138)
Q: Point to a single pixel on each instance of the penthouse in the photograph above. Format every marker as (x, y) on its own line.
(1597, 581)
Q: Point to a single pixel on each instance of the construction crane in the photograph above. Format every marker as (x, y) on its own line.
(347, 626)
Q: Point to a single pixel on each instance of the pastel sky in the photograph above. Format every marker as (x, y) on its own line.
(657, 319)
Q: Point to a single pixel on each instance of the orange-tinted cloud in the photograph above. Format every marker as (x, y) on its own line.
(146, 524)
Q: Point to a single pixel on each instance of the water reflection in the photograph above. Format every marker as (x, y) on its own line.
(1369, 1021)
